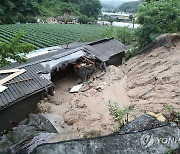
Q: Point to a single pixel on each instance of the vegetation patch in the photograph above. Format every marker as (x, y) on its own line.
(120, 116)
(47, 35)
(172, 115)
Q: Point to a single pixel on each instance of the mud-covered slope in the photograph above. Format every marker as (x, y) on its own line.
(153, 78)
(149, 82)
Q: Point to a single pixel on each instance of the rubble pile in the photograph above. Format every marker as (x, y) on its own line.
(87, 111)
(147, 82)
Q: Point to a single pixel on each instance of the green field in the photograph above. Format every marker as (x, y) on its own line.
(46, 35)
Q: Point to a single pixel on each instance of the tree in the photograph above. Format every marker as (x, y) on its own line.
(123, 34)
(90, 8)
(12, 11)
(130, 7)
(14, 50)
(157, 17)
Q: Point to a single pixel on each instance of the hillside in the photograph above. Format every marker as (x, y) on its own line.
(25, 11)
(153, 78)
(130, 7)
(112, 3)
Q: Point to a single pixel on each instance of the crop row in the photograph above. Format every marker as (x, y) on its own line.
(46, 35)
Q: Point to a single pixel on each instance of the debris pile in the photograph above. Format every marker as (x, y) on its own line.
(87, 110)
(149, 82)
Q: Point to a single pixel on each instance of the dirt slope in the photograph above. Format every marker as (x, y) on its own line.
(147, 81)
(153, 79)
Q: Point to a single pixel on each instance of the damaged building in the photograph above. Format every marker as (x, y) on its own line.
(19, 96)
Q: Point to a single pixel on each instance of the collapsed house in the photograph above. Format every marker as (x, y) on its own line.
(19, 96)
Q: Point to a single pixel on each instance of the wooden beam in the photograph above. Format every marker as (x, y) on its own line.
(9, 71)
(10, 77)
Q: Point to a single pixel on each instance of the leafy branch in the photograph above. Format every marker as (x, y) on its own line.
(14, 50)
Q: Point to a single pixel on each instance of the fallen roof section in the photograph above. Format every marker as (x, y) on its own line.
(102, 49)
(50, 54)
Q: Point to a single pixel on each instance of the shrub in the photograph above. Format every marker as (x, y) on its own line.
(83, 19)
(120, 116)
(123, 34)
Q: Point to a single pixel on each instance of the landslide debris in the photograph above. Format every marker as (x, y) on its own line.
(148, 82)
(153, 78)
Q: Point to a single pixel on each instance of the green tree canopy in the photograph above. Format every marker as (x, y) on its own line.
(130, 7)
(157, 17)
(12, 11)
(14, 50)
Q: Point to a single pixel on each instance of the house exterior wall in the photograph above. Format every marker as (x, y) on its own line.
(18, 111)
(116, 59)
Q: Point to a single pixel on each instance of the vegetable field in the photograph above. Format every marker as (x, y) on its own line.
(46, 35)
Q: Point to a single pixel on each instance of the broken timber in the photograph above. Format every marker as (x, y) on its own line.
(10, 77)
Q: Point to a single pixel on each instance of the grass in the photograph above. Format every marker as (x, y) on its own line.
(46, 35)
(172, 116)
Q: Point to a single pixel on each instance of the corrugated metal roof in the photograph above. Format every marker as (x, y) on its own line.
(98, 54)
(102, 49)
(21, 90)
(48, 55)
(106, 48)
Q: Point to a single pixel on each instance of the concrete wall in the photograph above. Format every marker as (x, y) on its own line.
(18, 111)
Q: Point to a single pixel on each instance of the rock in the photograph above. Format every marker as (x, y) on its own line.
(71, 120)
(99, 88)
(58, 122)
(81, 105)
(144, 135)
(126, 141)
(34, 130)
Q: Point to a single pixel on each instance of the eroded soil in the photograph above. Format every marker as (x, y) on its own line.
(148, 82)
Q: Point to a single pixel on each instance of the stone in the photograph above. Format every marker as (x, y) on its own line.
(81, 105)
(126, 140)
(99, 88)
(71, 120)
